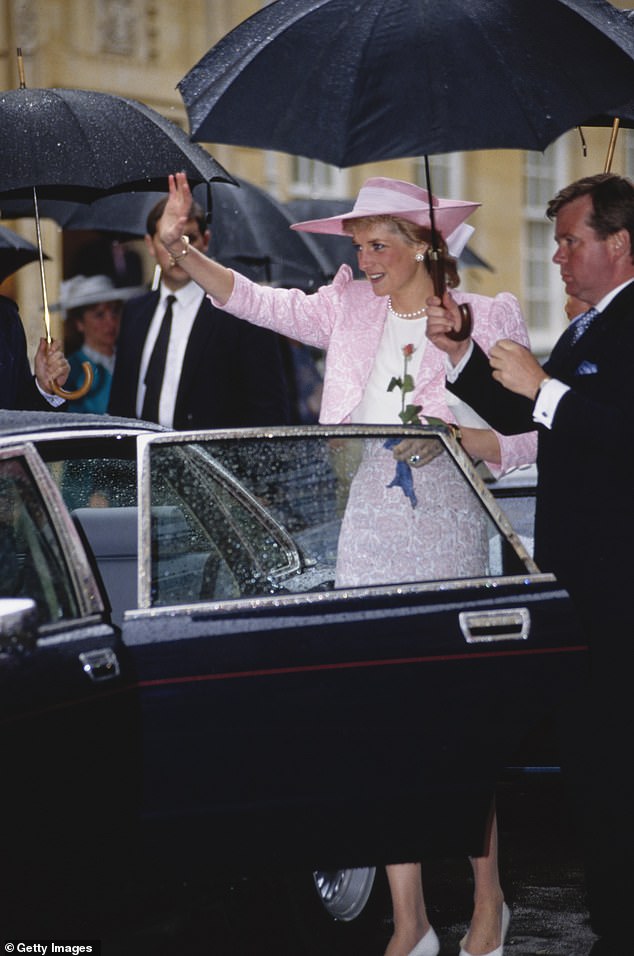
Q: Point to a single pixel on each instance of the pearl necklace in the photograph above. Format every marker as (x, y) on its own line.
(405, 315)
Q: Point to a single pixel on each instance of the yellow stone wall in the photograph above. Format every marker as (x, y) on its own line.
(141, 48)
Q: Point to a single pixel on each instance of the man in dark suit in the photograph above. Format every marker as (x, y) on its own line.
(215, 371)
(19, 389)
(582, 401)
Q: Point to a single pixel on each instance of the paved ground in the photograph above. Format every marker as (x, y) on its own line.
(542, 877)
(541, 874)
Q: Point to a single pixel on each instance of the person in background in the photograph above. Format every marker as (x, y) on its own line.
(92, 307)
(369, 329)
(185, 364)
(574, 307)
(582, 402)
(19, 388)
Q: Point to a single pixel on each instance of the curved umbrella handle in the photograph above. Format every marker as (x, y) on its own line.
(459, 335)
(436, 268)
(76, 393)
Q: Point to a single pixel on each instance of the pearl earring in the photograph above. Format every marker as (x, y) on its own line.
(420, 257)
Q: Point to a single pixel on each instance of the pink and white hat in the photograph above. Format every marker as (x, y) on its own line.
(394, 197)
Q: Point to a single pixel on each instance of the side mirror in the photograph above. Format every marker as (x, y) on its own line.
(18, 624)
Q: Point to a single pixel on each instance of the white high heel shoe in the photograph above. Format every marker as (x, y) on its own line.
(427, 945)
(506, 919)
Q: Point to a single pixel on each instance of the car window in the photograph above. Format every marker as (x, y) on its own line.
(31, 558)
(235, 518)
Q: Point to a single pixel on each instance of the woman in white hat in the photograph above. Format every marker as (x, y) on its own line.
(374, 331)
(92, 306)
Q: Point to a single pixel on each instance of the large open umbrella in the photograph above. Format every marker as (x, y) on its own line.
(15, 252)
(348, 83)
(352, 83)
(79, 144)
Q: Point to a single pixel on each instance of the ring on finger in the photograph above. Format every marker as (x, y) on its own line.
(414, 459)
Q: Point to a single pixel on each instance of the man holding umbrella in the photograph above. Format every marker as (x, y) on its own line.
(582, 401)
(18, 387)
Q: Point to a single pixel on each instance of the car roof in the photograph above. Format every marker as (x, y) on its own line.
(22, 423)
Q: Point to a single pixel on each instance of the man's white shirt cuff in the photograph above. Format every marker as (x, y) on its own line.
(452, 372)
(550, 394)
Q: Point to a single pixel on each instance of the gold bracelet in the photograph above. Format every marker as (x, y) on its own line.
(180, 255)
(456, 434)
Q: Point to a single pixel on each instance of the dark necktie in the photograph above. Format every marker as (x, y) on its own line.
(156, 366)
(580, 325)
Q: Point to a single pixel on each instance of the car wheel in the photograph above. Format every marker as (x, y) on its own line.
(344, 893)
(341, 912)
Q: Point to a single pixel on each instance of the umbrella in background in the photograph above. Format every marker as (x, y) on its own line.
(348, 83)
(250, 229)
(622, 116)
(339, 249)
(15, 252)
(78, 144)
(252, 234)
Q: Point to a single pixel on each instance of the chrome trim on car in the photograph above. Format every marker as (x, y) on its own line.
(486, 627)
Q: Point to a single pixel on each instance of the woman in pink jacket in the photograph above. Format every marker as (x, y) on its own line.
(373, 331)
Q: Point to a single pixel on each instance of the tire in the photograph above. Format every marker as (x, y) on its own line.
(339, 912)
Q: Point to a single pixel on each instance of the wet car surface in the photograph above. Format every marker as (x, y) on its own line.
(196, 699)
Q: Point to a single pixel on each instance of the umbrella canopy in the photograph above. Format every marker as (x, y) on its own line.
(348, 83)
(78, 144)
(15, 252)
(252, 234)
(250, 229)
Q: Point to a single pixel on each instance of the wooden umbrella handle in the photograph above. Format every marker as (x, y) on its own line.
(436, 267)
(76, 393)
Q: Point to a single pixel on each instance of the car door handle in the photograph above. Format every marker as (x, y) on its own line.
(483, 627)
(101, 664)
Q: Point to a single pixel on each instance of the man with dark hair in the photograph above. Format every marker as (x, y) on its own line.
(19, 388)
(185, 364)
(582, 401)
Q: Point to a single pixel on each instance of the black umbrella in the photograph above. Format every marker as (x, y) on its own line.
(252, 234)
(250, 229)
(351, 83)
(615, 118)
(15, 252)
(79, 144)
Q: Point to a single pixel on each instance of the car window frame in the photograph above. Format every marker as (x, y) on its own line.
(146, 442)
(88, 597)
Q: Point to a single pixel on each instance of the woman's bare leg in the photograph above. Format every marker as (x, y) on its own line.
(486, 922)
(408, 907)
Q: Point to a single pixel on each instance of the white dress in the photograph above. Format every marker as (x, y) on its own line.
(383, 538)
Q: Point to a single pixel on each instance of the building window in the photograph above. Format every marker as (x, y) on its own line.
(446, 174)
(543, 295)
(313, 179)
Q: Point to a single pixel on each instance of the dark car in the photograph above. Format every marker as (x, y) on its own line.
(185, 691)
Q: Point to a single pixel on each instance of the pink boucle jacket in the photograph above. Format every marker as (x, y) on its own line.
(346, 320)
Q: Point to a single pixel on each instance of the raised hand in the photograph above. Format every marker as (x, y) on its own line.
(173, 222)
